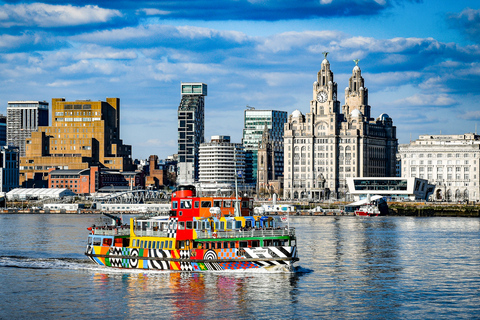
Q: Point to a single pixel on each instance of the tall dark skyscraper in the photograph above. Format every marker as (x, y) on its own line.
(191, 129)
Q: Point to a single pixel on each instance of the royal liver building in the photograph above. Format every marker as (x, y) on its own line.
(332, 143)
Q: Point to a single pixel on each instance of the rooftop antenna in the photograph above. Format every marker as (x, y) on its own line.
(475, 129)
(250, 108)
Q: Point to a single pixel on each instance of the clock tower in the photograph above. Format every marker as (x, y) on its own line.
(324, 91)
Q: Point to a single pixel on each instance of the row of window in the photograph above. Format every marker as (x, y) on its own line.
(439, 155)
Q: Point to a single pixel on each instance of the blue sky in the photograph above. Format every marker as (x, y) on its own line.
(420, 59)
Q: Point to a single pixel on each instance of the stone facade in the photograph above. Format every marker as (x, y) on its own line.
(332, 143)
(451, 162)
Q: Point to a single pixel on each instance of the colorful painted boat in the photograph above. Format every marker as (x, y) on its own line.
(194, 239)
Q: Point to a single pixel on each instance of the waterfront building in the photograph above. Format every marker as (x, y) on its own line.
(255, 122)
(83, 133)
(23, 118)
(191, 129)
(218, 160)
(451, 162)
(392, 188)
(91, 180)
(330, 144)
(9, 165)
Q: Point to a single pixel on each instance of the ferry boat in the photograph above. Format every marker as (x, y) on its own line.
(200, 234)
(374, 207)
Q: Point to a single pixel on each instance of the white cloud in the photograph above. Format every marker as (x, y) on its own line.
(153, 12)
(47, 16)
(440, 100)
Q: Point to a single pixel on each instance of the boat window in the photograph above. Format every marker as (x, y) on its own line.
(222, 225)
(89, 240)
(207, 245)
(141, 244)
(255, 243)
(185, 204)
(107, 242)
(217, 203)
(238, 224)
(196, 204)
(229, 224)
(216, 225)
(181, 244)
(232, 244)
(206, 204)
(181, 225)
(227, 203)
(149, 244)
(225, 245)
(243, 244)
(189, 225)
(161, 244)
(195, 225)
(97, 241)
(257, 224)
(180, 213)
(170, 245)
(267, 243)
(244, 204)
(248, 224)
(174, 205)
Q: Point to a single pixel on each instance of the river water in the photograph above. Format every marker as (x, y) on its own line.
(349, 268)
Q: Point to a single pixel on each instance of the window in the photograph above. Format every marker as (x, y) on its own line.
(206, 204)
(189, 225)
(181, 225)
(185, 204)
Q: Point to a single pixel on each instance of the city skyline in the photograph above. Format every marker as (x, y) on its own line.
(419, 60)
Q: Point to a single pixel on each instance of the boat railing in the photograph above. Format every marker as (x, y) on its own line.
(111, 231)
(150, 233)
(207, 234)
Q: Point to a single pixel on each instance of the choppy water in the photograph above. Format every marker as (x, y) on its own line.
(350, 268)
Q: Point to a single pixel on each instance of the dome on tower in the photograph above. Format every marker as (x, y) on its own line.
(384, 117)
(356, 68)
(315, 83)
(296, 114)
(356, 113)
(325, 61)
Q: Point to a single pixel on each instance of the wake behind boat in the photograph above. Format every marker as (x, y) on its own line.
(200, 234)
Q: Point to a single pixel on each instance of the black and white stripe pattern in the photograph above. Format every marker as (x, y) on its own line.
(269, 252)
(157, 264)
(211, 255)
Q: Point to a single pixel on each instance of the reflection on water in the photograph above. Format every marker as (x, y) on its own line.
(350, 267)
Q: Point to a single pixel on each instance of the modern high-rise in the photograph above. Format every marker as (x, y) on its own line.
(451, 162)
(330, 144)
(218, 160)
(9, 168)
(3, 130)
(83, 133)
(191, 129)
(23, 118)
(255, 122)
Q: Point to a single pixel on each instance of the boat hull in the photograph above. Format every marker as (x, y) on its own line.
(366, 214)
(266, 258)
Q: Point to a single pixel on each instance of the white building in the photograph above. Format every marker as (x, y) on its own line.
(451, 162)
(392, 188)
(331, 143)
(218, 160)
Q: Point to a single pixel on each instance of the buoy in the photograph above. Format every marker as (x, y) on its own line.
(214, 235)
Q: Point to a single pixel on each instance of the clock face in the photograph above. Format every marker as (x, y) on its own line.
(322, 96)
